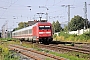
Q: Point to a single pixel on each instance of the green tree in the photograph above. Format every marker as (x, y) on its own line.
(77, 23)
(66, 28)
(53, 25)
(21, 25)
(56, 26)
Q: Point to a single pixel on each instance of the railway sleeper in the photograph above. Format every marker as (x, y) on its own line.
(45, 54)
(31, 56)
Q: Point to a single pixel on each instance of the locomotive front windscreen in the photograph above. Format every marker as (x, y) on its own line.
(44, 27)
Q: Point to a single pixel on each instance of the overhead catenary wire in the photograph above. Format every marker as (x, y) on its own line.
(4, 1)
(46, 2)
(56, 3)
(8, 8)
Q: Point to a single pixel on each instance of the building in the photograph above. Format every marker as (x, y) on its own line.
(30, 23)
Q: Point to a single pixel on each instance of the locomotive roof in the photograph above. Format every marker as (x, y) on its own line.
(29, 27)
(42, 22)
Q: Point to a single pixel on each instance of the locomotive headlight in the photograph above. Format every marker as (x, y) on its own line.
(37, 37)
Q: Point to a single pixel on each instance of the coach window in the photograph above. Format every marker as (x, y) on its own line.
(16, 34)
(13, 34)
(30, 31)
(19, 33)
(26, 31)
(22, 32)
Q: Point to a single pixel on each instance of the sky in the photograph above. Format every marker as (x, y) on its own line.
(14, 11)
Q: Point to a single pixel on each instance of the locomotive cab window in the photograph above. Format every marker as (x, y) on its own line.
(44, 27)
(41, 27)
(47, 27)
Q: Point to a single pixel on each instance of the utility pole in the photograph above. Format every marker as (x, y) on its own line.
(85, 16)
(3, 31)
(68, 16)
(85, 10)
(46, 12)
(68, 13)
(6, 29)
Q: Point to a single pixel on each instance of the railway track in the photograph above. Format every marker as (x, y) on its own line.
(36, 55)
(66, 48)
(86, 46)
(85, 49)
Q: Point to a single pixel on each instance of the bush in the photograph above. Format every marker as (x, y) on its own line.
(54, 35)
(66, 35)
(73, 37)
(6, 54)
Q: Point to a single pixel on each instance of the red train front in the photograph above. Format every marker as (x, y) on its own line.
(43, 32)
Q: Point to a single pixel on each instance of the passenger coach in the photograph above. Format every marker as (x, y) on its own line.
(40, 32)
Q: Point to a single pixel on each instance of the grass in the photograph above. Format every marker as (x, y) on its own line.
(5, 54)
(47, 59)
(70, 56)
(67, 56)
(84, 38)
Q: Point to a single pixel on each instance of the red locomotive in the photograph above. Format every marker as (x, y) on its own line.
(40, 32)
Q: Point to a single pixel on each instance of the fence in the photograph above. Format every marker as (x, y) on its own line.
(78, 32)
